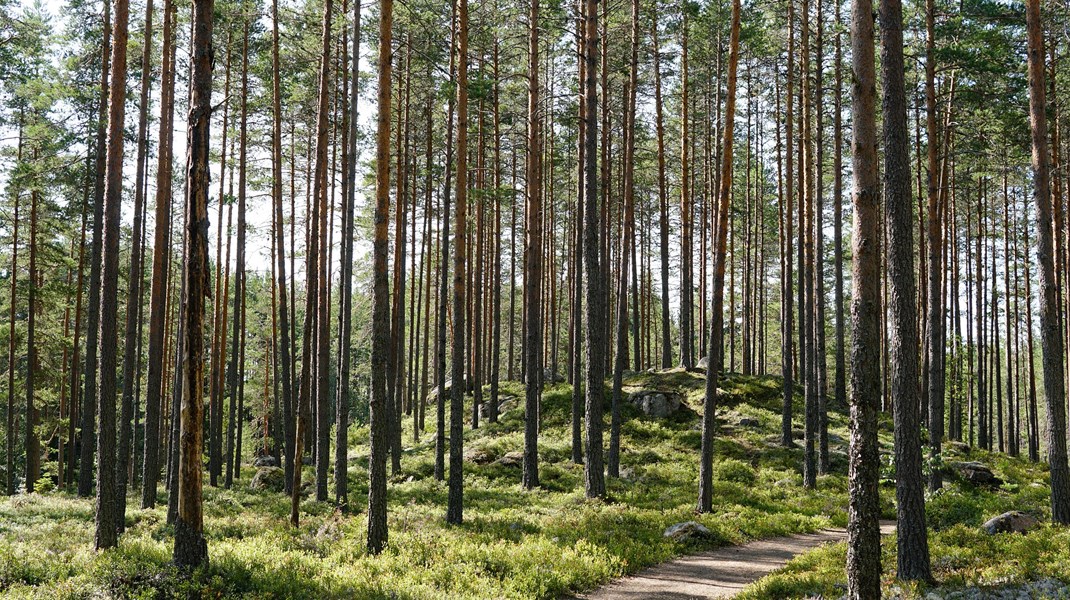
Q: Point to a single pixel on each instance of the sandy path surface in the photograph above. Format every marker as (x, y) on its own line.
(720, 573)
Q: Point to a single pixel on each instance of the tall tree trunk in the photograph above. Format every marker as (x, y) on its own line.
(863, 529)
(89, 397)
(912, 539)
(787, 296)
(455, 506)
(594, 478)
(663, 202)
(626, 243)
(934, 325)
(341, 439)
(237, 348)
(440, 342)
(133, 299)
(720, 259)
(191, 550)
(1050, 334)
(533, 264)
(285, 314)
(107, 519)
(840, 386)
(150, 471)
(377, 405)
(12, 302)
(687, 293)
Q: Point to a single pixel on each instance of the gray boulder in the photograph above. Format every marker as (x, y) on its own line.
(1011, 522)
(549, 377)
(703, 363)
(749, 422)
(655, 404)
(505, 404)
(976, 473)
(264, 461)
(268, 478)
(511, 459)
(478, 456)
(688, 531)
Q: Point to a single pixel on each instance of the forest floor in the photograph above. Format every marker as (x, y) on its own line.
(544, 543)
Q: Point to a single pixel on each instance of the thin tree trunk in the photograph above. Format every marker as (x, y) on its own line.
(378, 412)
(626, 243)
(663, 202)
(720, 258)
(455, 506)
(533, 265)
(160, 266)
(89, 397)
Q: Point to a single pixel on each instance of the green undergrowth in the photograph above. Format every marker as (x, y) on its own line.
(513, 544)
(962, 554)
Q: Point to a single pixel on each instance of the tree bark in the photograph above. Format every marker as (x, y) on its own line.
(455, 505)
(533, 263)
(191, 550)
(594, 478)
(720, 259)
(150, 471)
(863, 530)
(912, 538)
(1050, 333)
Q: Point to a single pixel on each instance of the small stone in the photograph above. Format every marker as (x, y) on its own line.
(688, 531)
(749, 422)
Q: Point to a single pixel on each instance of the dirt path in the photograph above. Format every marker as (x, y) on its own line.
(720, 573)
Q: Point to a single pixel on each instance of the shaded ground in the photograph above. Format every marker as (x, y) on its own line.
(720, 573)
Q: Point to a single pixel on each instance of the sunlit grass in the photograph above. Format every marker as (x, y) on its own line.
(513, 544)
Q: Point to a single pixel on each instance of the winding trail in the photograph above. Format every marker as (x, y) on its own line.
(720, 573)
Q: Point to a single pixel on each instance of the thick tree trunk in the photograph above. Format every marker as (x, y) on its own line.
(912, 539)
(594, 478)
(191, 550)
(107, 519)
(863, 529)
(1050, 334)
